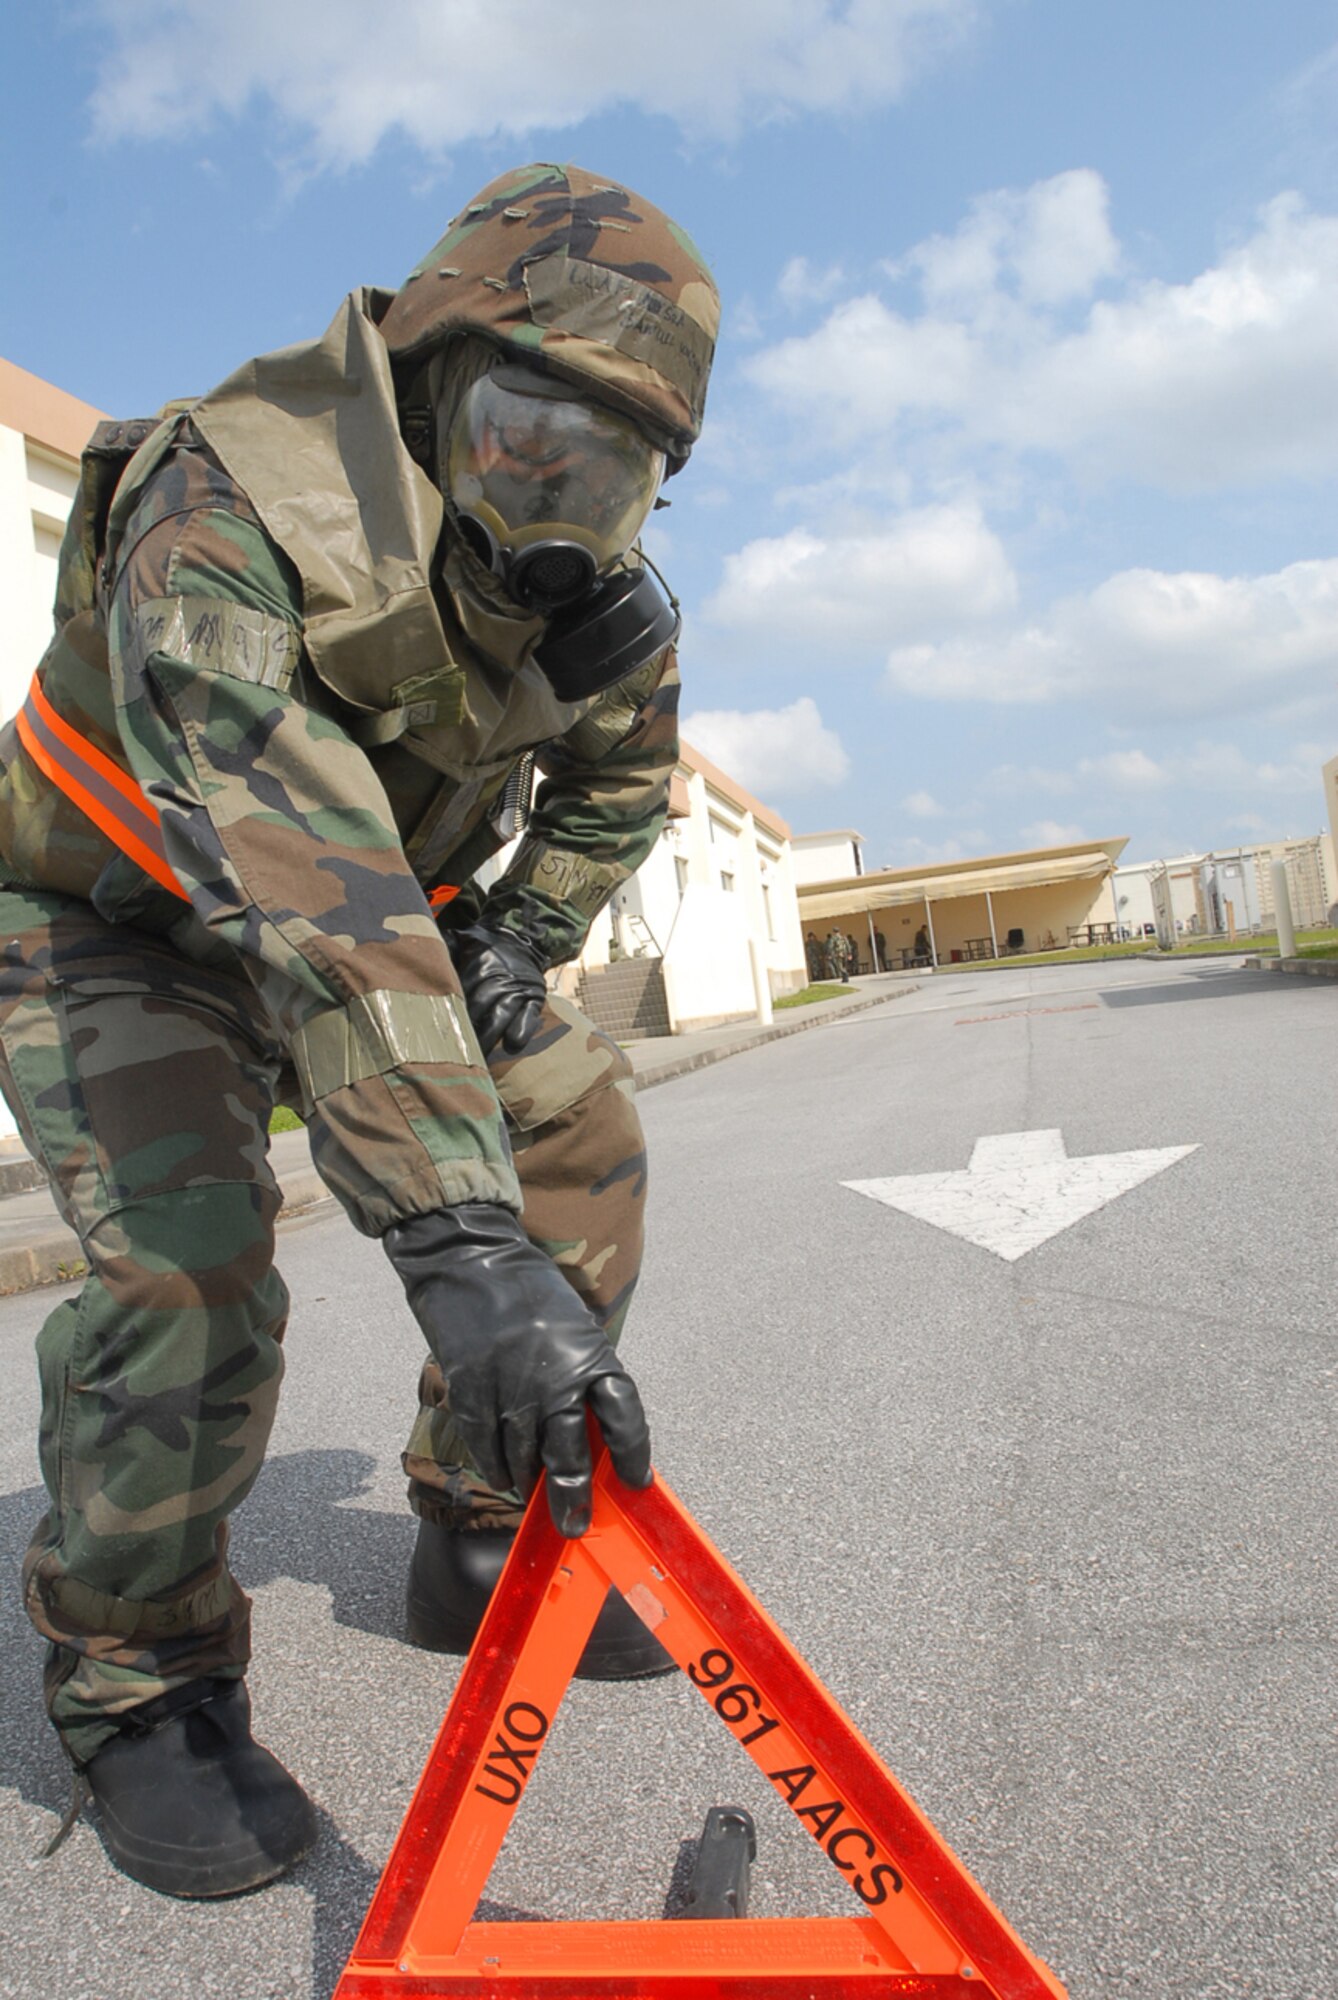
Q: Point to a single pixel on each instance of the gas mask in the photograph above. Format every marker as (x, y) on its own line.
(549, 494)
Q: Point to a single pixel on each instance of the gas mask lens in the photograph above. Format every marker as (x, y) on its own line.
(548, 492)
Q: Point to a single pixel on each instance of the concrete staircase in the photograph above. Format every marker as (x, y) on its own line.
(626, 999)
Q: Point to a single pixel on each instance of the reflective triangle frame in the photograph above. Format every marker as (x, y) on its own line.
(928, 1930)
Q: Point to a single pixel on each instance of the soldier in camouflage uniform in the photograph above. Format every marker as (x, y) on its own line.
(837, 953)
(313, 633)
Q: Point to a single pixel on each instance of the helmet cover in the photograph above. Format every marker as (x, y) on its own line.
(571, 274)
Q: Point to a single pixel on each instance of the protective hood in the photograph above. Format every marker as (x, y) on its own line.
(564, 270)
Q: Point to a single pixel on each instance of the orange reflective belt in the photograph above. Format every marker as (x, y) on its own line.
(110, 797)
(102, 791)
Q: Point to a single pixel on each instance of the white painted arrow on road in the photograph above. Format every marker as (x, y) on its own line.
(1020, 1189)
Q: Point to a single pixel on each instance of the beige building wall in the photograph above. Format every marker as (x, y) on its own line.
(1311, 882)
(1330, 775)
(972, 906)
(961, 924)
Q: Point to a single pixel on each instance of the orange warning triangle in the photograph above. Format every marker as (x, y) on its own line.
(927, 1930)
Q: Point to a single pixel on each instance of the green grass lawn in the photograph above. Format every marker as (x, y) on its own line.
(283, 1120)
(1077, 955)
(1309, 944)
(808, 994)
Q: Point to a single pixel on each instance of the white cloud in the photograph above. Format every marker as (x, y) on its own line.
(1149, 642)
(1225, 767)
(802, 284)
(1051, 241)
(1229, 376)
(1127, 770)
(922, 805)
(866, 366)
(914, 852)
(1052, 833)
(1226, 377)
(930, 569)
(771, 750)
(1007, 780)
(342, 74)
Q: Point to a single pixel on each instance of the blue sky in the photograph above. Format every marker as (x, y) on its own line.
(1013, 521)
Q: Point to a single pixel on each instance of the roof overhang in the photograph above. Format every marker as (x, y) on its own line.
(895, 888)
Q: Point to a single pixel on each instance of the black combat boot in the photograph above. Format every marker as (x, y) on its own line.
(454, 1573)
(190, 1804)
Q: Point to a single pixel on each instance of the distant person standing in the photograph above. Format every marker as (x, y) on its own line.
(837, 951)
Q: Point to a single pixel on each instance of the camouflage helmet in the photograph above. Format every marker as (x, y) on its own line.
(567, 271)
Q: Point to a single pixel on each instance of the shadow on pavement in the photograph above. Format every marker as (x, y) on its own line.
(290, 1526)
(31, 1761)
(1208, 985)
(294, 1525)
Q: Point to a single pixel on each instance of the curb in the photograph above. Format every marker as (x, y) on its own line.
(56, 1257)
(1318, 968)
(683, 1065)
(52, 1260)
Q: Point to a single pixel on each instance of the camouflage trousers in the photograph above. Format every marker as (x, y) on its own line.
(144, 1084)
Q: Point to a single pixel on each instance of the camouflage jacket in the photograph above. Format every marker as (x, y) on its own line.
(267, 645)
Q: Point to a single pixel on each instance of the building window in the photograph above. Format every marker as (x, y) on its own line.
(726, 880)
(766, 911)
(681, 876)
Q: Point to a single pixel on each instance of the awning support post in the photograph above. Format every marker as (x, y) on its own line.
(994, 935)
(929, 926)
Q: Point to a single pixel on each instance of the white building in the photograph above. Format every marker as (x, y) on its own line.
(1227, 891)
(1142, 889)
(718, 895)
(712, 912)
(42, 432)
(827, 857)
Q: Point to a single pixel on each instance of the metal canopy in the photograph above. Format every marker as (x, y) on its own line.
(896, 888)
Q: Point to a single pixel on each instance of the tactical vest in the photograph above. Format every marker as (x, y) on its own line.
(311, 435)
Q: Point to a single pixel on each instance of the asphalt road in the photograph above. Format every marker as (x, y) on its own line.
(1058, 1533)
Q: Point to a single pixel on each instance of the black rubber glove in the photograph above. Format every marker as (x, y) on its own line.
(503, 979)
(521, 1355)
